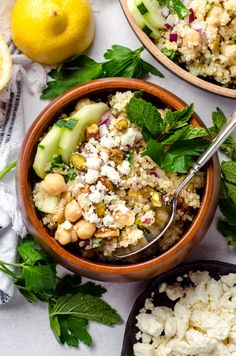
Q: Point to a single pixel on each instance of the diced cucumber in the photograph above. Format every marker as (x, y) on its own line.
(46, 149)
(47, 204)
(141, 21)
(151, 11)
(86, 116)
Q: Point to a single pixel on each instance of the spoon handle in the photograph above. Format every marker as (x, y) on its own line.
(213, 147)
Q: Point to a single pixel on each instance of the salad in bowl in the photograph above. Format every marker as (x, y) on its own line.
(106, 169)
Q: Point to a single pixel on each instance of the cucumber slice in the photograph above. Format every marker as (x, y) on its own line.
(47, 204)
(46, 149)
(142, 21)
(86, 116)
(151, 11)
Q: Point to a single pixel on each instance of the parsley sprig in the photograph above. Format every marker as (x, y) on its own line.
(120, 62)
(227, 201)
(71, 304)
(171, 142)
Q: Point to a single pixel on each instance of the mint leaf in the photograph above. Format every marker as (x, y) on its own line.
(179, 118)
(186, 133)
(120, 62)
(145, 115)
(39, 278)
(73, 330)
(229, 146)
(228, 231)
(72, 284)
(228, 169)
(87, 307)
(29, 253)
(154, 149)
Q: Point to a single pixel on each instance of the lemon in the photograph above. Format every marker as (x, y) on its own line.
(51, 31)
(5, 63)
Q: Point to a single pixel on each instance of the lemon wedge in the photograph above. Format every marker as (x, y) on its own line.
(5, 63)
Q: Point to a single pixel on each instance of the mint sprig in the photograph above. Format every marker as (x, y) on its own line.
(71, 304)
(171, 142)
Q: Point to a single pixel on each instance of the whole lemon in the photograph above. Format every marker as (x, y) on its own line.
(51, 31)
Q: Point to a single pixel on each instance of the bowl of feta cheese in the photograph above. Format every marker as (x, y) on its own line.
(189, 310)
(96, 168)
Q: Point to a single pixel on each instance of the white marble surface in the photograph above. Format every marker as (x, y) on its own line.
(24, 328)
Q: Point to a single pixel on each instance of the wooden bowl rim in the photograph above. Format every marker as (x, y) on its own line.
(170, 65)
(48, 115)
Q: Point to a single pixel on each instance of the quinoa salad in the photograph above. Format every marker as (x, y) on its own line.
(102, 194)
(197, 34)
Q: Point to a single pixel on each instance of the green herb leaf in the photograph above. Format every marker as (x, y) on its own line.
(87, 307)
(229, 146)
(121, 62)
(70, 174)
(145, 115)
(39, 278)
(56, 163)
(175, 6)
(73, 330)
(228, 231)
(154, 149)
(169, 53)
(228, 169)
(179, 118)
(29, 253)
(186, 133)
(69, 124)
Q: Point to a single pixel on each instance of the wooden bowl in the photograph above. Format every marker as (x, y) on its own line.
(98, 270)
(216, 270)
(165, 61)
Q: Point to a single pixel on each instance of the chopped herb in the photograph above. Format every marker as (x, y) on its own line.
(176, 6)
(57, 163)
(120, 62)
(71, 305)
(169, 53)
(70, 174)
(69, 124)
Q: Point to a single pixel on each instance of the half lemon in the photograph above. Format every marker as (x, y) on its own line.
(5, 63)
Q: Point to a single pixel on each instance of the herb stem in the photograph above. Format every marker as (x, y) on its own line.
(11, 264)
(7, 169)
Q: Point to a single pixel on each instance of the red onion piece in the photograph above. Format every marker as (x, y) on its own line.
(106, 118)
(191, 17)
(168, 26)
(173, 37)
(165, 11)
(148, 221)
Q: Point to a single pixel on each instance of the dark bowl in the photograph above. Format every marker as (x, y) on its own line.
(101, 270)
(215, 269)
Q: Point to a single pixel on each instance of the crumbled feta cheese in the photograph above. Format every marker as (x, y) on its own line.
(107, 142)
(111, 174)
(143, 350)
(203, 321)
(91, 176)
(124, 167)
(104, 156)
(121, 207)
(96, 197)
(67, 225)
(147, 323)
(130, 137)
(93, 162)
(108, 220)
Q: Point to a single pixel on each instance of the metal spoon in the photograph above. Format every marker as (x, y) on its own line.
(204, 158)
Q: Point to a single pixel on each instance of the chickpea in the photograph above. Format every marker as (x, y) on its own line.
(217, 16)
(191, 38)
(58, 216)
(62, 235)
(104, 233)
(83, 102)
(54, 184)
(125, 219)
(84, 229)
(73, 211)
(92, 131)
